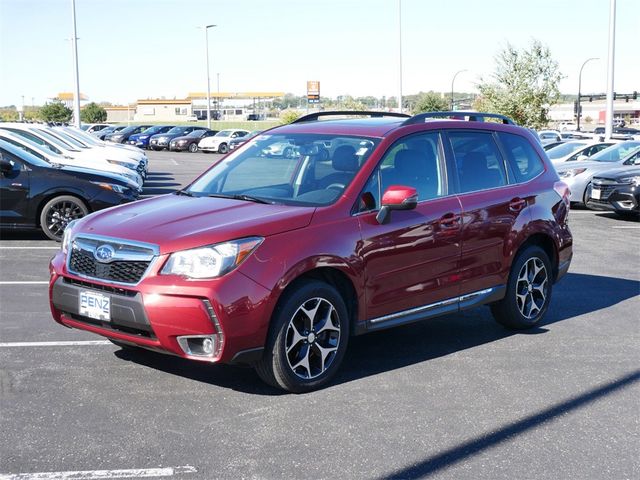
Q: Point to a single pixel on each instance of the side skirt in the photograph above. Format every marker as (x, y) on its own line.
(425, 312)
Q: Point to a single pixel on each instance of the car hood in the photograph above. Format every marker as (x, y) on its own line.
(96, 175)
(620, 172)
(176, 222)
(167, 135)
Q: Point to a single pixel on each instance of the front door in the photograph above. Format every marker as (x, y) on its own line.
(14, 193)
(412, 261)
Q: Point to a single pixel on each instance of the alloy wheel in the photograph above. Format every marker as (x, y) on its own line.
(312, 339)
(531, 287)
(60, 214)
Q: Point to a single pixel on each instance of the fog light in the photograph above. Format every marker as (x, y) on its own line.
(207, 346)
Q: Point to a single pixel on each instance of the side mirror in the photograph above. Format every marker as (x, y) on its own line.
(5, 165)
(581, 158)
(396, 197)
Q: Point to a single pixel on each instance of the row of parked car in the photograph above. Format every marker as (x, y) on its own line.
(50, 176)
(602, 174)
(177, 138)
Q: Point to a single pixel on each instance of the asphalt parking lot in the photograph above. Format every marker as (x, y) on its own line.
(457, 397)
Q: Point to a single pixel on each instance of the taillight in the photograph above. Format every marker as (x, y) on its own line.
(564, 191)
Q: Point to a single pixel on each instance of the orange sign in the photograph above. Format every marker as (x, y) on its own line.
(313, 87)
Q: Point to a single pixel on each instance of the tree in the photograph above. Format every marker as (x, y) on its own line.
(524, 85)
(55, 112)
(288, 116)
(430, 102)
(93, 113)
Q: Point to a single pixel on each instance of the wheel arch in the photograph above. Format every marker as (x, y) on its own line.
(51, 195)
(545, 242)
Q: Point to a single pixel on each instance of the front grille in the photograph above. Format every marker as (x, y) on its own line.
(97, 286)
(118, 271)
(606, 190)
(124, 262)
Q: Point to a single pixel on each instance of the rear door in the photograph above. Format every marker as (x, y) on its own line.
(493, 210)
(412, 261)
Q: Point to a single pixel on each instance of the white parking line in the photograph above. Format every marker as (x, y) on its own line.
(626, 226)
(102, 474)
(54, 344)
(39, 282)
(30, 248)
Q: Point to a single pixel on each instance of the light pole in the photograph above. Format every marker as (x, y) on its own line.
(608, 127)
(206, 39)
(452, 82)
(400, 53)
(579, 113)
(74, 39)
(218, 100)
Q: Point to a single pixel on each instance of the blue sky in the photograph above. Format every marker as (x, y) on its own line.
(131, 49)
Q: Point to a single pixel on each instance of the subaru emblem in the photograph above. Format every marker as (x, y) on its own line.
(104, 253)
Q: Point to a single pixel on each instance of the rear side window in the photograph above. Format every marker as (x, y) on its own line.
(478, 161)
(523, 160)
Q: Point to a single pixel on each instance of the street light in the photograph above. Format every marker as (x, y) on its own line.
(578, 113)
(452, 81)
(76, 76)
(400, 54)
(206, 39)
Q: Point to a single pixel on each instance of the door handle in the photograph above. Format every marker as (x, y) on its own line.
(517, 204)
(449, 221)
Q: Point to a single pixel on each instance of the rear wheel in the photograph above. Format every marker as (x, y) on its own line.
(58, 212)
(528, 290)
(223, 148)
(307, 340)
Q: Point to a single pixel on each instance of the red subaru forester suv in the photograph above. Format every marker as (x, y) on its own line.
(319, 230)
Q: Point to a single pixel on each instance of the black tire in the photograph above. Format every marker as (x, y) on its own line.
(276, 368)
(586, 195)
(223, 148)
(193, 148)
(512, 310)
(58, 212)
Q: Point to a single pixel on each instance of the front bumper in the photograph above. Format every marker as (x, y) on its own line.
(161, 311)
(616, 197)
(175, 147)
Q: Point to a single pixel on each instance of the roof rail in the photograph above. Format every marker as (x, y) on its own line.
(472, 117)
(314, 117)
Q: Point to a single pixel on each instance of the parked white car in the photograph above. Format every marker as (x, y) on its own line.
(567, 126)
(50, 153)
(68, 147)
(574, 150)
(220, 141)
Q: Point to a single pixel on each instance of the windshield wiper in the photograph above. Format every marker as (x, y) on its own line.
(247, 198)
(184, 192)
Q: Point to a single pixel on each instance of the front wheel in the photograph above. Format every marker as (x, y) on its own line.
(193, 148)
(528, 290)
(58, 212)
(223, 148)
(307, 340)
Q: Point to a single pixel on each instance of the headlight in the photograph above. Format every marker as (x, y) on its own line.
(66, 237)
(113, 187)
(181, 142)
(143, 137)
(123, 164)
(635, 180)
(210, 261)
(571, 173)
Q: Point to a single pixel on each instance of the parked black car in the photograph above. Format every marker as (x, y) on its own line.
(236, 142)
(162, 140)
(617, 190)
(190, 141)
(36, 194)
(101, 134)
(123, 135)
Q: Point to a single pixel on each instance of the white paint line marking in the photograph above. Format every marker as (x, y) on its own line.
(174, 162)
(55, 344)
(102, 474)
(39, 282)
(30, 248)
(626, 226)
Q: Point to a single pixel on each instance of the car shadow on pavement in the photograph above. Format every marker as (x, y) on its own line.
(623, 218)
(379, 352)
(159, 183)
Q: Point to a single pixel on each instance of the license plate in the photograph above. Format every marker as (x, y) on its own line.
(595, 193)
(94, 305)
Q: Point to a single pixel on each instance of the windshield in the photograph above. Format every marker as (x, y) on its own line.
(564, 149)
(55, 140)
(196, 133)
(68, 139)
(296, 169)
(80, 135)
(7, 148)
(152, 130)
(224, 133)
(176, 130)
(34, 148)
(615, 153)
